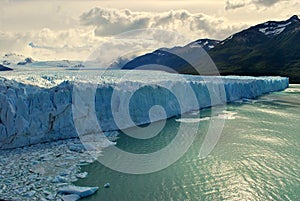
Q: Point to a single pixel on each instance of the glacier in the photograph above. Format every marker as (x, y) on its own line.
(36, 106)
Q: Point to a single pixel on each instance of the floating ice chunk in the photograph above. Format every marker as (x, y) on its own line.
(71, 197)
(81, 191)
(293, 90)
(192, 120)
(59, 179)
(82, 175)
(107, 185)
(226, 115)
(76, 147)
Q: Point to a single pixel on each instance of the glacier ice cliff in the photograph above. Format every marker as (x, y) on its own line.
(37, 106)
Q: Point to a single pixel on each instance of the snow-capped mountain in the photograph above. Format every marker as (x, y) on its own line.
(17, 60)
(12, 59)
(270, 48)
(264, 31)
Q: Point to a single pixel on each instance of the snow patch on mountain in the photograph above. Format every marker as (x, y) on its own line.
(274, 28)
(272, 31)
(206, 44)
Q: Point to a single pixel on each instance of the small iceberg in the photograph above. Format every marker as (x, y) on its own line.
(80, 191)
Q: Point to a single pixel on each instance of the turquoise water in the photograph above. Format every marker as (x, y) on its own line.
(256, 158)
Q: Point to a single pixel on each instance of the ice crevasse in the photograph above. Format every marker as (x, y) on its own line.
(37, 107)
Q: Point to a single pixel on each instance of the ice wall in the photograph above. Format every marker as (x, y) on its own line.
(38, 108)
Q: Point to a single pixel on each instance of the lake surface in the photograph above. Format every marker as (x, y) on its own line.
(256, 158)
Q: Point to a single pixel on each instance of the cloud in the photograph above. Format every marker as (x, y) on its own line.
(108, 22)
(50, 44)
(139, 30)
(134, 43)
(266, 2)
(230, 5)
(234, 4)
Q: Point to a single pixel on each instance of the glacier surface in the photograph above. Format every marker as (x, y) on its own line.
(36, 106)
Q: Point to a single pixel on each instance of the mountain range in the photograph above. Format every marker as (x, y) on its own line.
(13, 60)
(268, 49)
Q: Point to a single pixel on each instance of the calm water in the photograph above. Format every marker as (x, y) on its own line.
(256, 158)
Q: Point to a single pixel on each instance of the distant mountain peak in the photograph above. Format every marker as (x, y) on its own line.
(294, 18)
(274, 28)
(260, 33)
(11, 58)
(27, 60)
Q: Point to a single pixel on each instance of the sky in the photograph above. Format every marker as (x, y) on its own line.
(73, 29)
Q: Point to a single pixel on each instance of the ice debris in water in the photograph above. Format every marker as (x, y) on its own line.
(38, 171)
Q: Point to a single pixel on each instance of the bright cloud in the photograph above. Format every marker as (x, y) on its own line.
(234, 4)
(49, 44)
(98, 24)
(109, 22)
